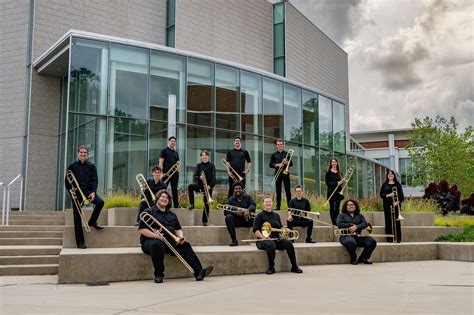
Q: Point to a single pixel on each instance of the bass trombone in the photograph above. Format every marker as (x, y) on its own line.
(143, 188)
(237, 210)
(284, 234)
(206, 188)
(346, 179)
(171, 171)
(364, 233)
(150, 222)
(75, 188)
(284, 168)
(233, 174)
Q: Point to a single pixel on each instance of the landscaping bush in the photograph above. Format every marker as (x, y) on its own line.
(454, 220)
(467, 205)
(466, 236)
(448, 198)
(121, 199)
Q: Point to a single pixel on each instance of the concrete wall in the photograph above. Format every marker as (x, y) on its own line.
(135, 19)
(239, 31)
(13, 47)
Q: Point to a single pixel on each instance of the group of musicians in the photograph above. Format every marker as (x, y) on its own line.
(241, 208)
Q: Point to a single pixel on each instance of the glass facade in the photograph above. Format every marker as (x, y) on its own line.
(118, 105)
(279, 38)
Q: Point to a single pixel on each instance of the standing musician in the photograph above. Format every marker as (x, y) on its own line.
(86, 175)
(153, 245)
(234, 219)
(387, 194)
(237, 158)
(210, 172)
(168, 157)
(155, 184)
(354, 221)
(277, 161)
(270, 246)
(334, 181)
(300, 203)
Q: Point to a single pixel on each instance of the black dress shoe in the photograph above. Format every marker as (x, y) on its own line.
(364, 261)
(354, 262)
(270, 271)
(191, 207)
(234, 243)
(308, 240)
(158, 279)
(204, 273)
(97, 226)
(81, 246)
(296, 269)
(205, 224)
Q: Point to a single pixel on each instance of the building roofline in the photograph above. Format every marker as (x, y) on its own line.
(381, 131)
(90, 35)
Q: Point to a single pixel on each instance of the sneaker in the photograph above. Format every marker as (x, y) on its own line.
(270, 271)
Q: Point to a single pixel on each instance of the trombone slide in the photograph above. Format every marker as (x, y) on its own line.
(75, 188)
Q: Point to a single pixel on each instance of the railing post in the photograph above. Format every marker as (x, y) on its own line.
(20, 207)
(3, 203)
(8, 204)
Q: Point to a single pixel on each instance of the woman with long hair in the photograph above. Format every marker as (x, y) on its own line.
(334, 181)
(387, 193)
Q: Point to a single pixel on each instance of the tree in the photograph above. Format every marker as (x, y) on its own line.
(439, 152)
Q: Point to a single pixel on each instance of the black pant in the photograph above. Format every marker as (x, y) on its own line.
(334, 205)
(232, 221)
(387, 211)
(99, 204)
(157, 249)
(143, 207)
(199, 188)
(352, 242)
(271, 246)
(231, 182)
(174, 188)
(303, 223)
(286, 182)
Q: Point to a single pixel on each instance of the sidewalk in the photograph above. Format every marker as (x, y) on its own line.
(426, 287)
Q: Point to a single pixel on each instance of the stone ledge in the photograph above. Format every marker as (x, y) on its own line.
(456, 251)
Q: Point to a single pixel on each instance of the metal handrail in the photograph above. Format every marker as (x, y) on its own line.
(4, 202)
(6, 214)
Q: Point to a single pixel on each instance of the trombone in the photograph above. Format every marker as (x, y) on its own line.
(368, 232)
(396, 203)
(171, 171)
(206, 188)
(284, 168)
(143, 188)
(284, 234)
(237, 210)
(393, 212)
(233, 174)
(149, 221)
(79, 204)
(346, 179)
(307, 215)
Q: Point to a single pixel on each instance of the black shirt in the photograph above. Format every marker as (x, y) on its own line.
(302, 204)
(155, 187)
(245, 201)
(210, 172)
(331, 183)
(345, 220)
(170, 157)
(388, 189)
(237, 159)
(86, 175)
(168, 218)
(271, 217)
(276, 158)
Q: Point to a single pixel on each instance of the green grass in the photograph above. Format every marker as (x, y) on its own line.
(466, 236)
(455, 221)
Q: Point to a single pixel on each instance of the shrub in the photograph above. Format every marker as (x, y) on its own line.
(454, 220)
(120, 199)
(467, 205)
(446, 197)
(466, 236)
(420, 205)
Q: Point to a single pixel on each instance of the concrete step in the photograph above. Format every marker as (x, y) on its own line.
(29, 260)
(29, 250)
(43, 213)
(32, 228)
(36, 222)
(31, 241)
(31, 234)
(93, 264)
(122, 236)
(17, 270)
(37, 217)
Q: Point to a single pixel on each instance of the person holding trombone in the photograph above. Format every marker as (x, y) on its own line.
(391, 193)
(239, 161)
(281, 162)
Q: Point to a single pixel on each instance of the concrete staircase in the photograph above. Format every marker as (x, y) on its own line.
(31, 243)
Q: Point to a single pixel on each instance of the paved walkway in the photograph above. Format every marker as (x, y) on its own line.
(426, 287)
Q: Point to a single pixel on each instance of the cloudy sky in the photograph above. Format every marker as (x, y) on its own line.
(407, 58)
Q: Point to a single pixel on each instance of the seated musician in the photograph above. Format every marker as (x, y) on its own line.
(270, 246)
(153, 245)
(300, 203)
(235, 219)
(351, 219)
(155, 184)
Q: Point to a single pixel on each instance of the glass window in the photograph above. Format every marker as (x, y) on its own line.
(198, 139)
(362, 178)
(126, 151)
(170, 22)
(384, 161)
(310, 118)
(292, 118)
(311, 171)
(338, 127)
(404, 167)
(279, 66)
(227, 103)
(254, 180)
(353, 183)
(167, 78)
(325, 122)
(200, 92)
(89, 72)
(157, 141)
(224, 142)
(272, 108)
(251, 102)
(279, 40)
(296, 170)
(324, 159)
(278, 13)
(370, 180)
(128, 81)
(268, 173)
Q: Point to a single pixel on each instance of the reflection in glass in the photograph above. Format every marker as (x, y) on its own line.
(362, 177)
(353, 184)
(370, 180)
(200, 90)
(292, 118)
(268, 173)
(251, 102)
(325, 122)
(272, 108)
(254, 180)
(128, 81)
(324, 159)
(197, 139)
(167, 78)
(338, 127)
(157, 141)
(227, 92)
(310, 118)
(311, 170)
(89, 69)
(296, 170)
(224, 143)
